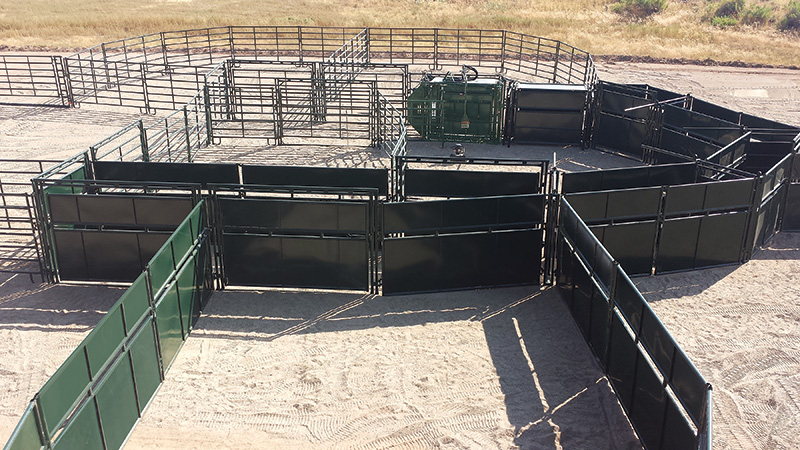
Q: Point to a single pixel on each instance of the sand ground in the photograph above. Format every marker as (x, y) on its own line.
(480, 369)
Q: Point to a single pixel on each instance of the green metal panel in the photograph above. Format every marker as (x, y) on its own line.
(188, 292)
(77, 174)
(168, 318)
(447, 110)
(116, 401)
(26, 435)
(63, 389)
(103, 341)
(83, 431)
(161, 267)
(145, 363)
(182, 240)
(135, 302)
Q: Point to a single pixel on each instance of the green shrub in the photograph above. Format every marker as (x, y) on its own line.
(724, 21)
(757, 15)
(729, 8)
(791, 21)
(639, 9)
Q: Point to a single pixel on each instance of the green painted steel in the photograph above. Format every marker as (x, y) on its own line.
(161, 267)
(104, 340)
(170, 332)
(82, 432)
(116, 401)
(135, 302)
(63, 390)
(447, 109)
(188, 293)
(26, 435)
(144, 355)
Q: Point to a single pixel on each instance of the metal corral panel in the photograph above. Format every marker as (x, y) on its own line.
(444, 109)
(547, 113)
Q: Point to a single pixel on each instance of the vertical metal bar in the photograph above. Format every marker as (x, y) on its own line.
(143, 141)
(186, 133)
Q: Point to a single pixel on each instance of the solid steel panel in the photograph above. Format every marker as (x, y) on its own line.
(103, 340)
(168, 318)
(548, 96)
(633, 203)
(685, 198)
(63, 208)
(310, 262)
(678, 243)
(83, 431)
(352, 217)
(564, 271)
(657, 340)
(63, 389)
(562, 120)
(568, 221)
(182, 241)
(252, 260)
(604, 268)
(591, 180)
(70, 257)
(598, 336)
(166, 172)
(678, 434)
(116, 401)
(309, 215)
(461, 183)
(629, 301)
(794, 173)
(631, 244)
(411, 216)
(161, 267)
(164, 211)
(411, 264)
(677, 117)
(622, 355)
(720, 240)
(187, 294)
(27, 434)
(467, 261)
(713, 110)
(317, 176)
(590, 206)
(145, 363)
(523, 135)
(689, 386)
(112, 256)
(150, 244)
(611, 132)
(586, 244)
(649, 399)
(474, 213)
(243, 212)
(617, 103)
(353, 264)
(529, 208)
(513, 266)
(582, 300)
(670, 174)
(106, 209)
(637, 135)
(791, 217)
(729, 194)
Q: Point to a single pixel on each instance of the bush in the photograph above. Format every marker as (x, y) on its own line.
(791, 21)
(724, 21)
(729, 8)
(757, 15)
(639, 9)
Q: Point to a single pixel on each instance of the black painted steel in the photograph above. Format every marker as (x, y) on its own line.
(461, 183)
(548, 113)
(632, 244)
(791, 217)
(601, 180)
(317, 176)
(293, 215)
(166, 172)
(119, 210)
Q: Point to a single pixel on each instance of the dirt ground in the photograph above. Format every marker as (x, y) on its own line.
(481, 369)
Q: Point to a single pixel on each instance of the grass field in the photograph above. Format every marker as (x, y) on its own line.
(682, 30)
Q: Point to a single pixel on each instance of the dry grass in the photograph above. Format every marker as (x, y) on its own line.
(678, 32)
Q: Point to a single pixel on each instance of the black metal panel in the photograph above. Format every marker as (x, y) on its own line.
(469, 213)
(632, 245)
(150, 244)
(167, 211)
(433, 263)
(729, 194)
(685, 198)
(550, 96)
(166, 172)
(630, 301)
(721, 239)
(70, 256)
(618, 103)
(258, 260)
(317, 176)
(106, 209)
(791, 217)
(586, 244)
(63, 208)
(451, 183)
(285, 214)
(600, 180)
(649, 401)
(604, 268)
(520, 209)
(548, 126)
(611, 132)
(671, 174)
(598, 335)
(655, 337)
(794, 173)
(634, 203)
(713, 110)
(622, 356)
(119, 210)
(239, 212)
(677, 117)
(531, 135)
(564, 270)
(678, 434)
(582, 182)
(590, 206)
(689, 386)
(676, 250)
(582, 300)
(112, 256)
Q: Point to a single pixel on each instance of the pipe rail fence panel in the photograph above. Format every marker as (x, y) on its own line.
(34, 80)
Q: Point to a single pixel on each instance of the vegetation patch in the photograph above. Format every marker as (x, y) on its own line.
(639, 9)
